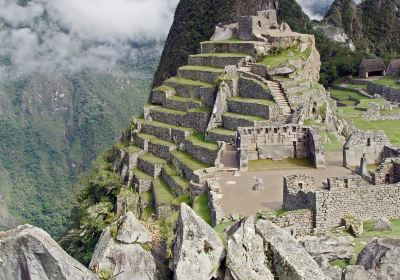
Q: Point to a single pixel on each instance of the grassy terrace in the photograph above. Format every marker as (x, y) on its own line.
(198, 139)
(223, 131)
(189, 161)
(264, 86)
(286, 164)
(187, 82)
(157, 141)
(389, 81)
(229, 41)
(356, 86)
(167, 110)
(147, 197)
(202, 68)
(182, 199)
(342, 95)
(200, 206)
(253, 100)
(243, 117)
(220, 55)
(164, 88)
(140, 175)
(184, 99)
(165, 125)
(162, 192)
(282, 57)
(153, 159)
(333, 145)
(126, 146)
(171, 171)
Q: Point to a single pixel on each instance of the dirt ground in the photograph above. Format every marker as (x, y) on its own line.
(240, 198)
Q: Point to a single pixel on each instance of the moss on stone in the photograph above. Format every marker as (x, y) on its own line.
(200, 206)
(198, 139)
(182, 199)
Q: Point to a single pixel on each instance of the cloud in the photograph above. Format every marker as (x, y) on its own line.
(70, 35)
(316, 9)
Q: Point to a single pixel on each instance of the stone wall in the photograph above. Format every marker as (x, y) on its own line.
(297, 223)
(388, 172)
(391, 94)
(298, 192)
(364, 203)
(278, 142)
(370, 143)
(344, 183)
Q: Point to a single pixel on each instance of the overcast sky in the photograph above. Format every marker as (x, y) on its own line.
(85, 33)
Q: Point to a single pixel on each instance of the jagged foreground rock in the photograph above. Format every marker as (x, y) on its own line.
(123, 251)
(30, 253)
(198, 251)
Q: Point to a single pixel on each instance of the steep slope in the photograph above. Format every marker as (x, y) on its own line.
(195, 22)
(372, 25)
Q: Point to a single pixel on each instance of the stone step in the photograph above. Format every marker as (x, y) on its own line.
(163, 131)
(141, 180)
(186, 164)
(193, 89)
(221, 134)
(160, 94)
(154, 145)
(196, 118)
(163, 197)
(151, 165)
(179, 185)
(252, 107)
(233, 121)
(219, 60)
(200, 149)
(230, 46)
(200, 73)
(182, 103)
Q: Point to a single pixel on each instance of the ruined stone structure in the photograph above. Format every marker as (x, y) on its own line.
(393, 67)
(369, 143)
(279, 142)
(253, 28)
(389, 93)
(388, 172)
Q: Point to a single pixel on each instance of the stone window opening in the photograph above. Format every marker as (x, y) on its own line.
(259, 23)
(346, 183)
(369, 142)
(387, 178)
(285, 129)
(300, 186)
(293, 129)
(275, 130)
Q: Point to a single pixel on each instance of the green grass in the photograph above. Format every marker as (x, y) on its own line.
(164, 88)
(364, 102)
(389, 81)
(182, 199)
(167, 110)
(178, 98)
(198, 139)
(243, 117)
(187, 82)
(171, 171)
(165, 125)
(157, 141)
(200, 206)
(221, 230)
(229, 41)
(220, 55)
(356, 86)
(286, 164)
(370, 233)
(153, 159)
(202, 68)
(282, 57)
(253, 100)
(343, 95)
(264, 86)
(147, 197)
(162, 192)
(333, 145)
(140, 175)
(339, 263)
(189, 161)
(222, 131)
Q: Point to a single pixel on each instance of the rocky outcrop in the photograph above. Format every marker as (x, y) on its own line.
(289, 259)
(123, 251)
(381, 258)
(383, 224)
(198, 250)
(329, 247)
(30, 253)
(356, 272)
(245, 254)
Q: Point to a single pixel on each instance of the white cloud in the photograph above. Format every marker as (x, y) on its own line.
(78, 34)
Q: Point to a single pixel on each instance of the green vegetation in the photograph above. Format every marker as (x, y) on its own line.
(156, 141)
(243, 117)
(220, 55)
(222, 131)
(286, 164)
(182, 199)
(356, 86)
(178, 98)
(198, 139)
(253, 100)
(339, 263)
(148, 212)
(165, 125)
(343, 95)
(164, 88)
(140, 175)
(189, 161)
(202, 68)
(200, 206)
(167, 110)
(162, 192)
(389, 81)
(282, 56)
(332, 144)
(152, 159)
(147, 197)
(221, 230)
(228, 41)
(187, 82)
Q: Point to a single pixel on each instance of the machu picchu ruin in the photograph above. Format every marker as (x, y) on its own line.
(243, 166)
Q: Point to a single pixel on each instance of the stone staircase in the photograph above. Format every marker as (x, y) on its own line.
(280, 97)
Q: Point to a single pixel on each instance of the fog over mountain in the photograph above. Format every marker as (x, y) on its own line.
(39, 35)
